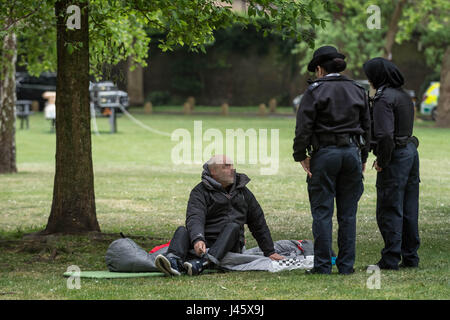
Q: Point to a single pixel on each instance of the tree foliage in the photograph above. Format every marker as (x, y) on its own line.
(424, 21)
(119, 29)
(429, 22)
(347, 30)
(114, 35)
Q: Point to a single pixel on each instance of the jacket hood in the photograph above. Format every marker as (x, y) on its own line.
(382, 72)
(240, 180)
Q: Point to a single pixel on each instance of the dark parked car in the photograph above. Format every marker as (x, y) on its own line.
(102, 94)
(32, 88)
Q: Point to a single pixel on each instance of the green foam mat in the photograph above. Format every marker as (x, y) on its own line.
(113, 275)
(118, 275)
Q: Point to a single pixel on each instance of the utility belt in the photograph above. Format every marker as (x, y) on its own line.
(402, 142)
(320, 140)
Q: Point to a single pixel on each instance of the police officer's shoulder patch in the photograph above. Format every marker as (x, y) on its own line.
(314, 85)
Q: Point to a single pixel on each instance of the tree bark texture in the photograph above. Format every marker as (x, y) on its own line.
(443, 108)
(7, 104)
(393, 29)
(73, 207)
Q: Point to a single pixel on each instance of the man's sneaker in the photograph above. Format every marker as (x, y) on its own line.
(170, 266)
(404, 265)
(195, 267)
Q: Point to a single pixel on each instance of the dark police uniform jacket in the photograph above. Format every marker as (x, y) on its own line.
(393, 119)
(332, 104)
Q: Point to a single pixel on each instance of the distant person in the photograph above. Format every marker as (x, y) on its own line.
(333, 126)
(397, 165)
(217, 210)
(50, 108)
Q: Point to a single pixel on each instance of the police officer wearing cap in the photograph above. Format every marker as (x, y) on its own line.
(333, 125)
(397, 165)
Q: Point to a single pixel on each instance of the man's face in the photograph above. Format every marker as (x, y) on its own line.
(223, 172)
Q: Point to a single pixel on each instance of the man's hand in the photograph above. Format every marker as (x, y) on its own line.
(363, 167)
(276, 256)
(200, 248)
(375, 165)
(306, 166)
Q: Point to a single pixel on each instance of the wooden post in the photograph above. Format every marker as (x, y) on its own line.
(148, 107)
(225, 109)
(187, 108)
(273, 105)
(35, 106)
(191, 101)
(262, 109)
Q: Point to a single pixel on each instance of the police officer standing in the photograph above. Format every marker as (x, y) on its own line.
(333, 124)
(397, 165)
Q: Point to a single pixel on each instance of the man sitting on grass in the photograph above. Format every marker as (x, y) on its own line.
(217, 210)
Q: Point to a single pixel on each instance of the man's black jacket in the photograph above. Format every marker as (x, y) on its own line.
(332, 104)
(393, 120)
(211, 207)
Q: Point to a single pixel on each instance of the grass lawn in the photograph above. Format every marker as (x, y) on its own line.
(140, 192)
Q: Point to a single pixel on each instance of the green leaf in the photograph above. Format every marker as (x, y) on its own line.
(69, 48)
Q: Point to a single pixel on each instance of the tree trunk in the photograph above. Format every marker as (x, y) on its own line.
(443, 108)
(7, 105)
(393, 28)
(135, 84)
(73, 207)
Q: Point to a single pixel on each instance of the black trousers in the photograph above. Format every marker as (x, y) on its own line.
(398, 208)
(336, 174)
(226, 241)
